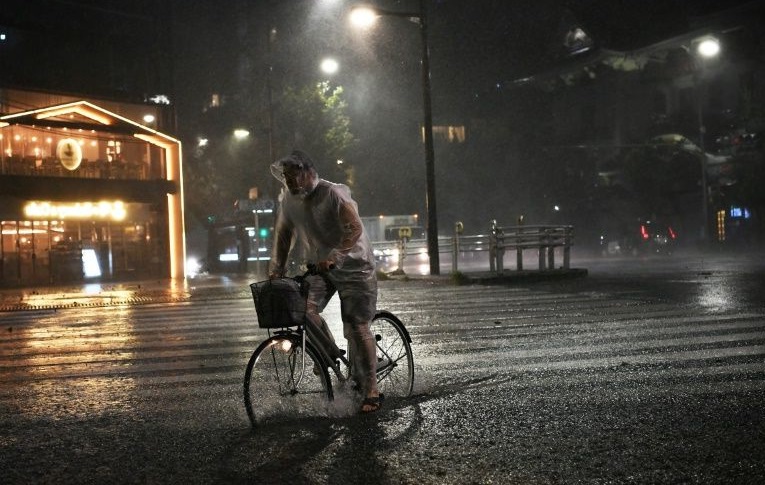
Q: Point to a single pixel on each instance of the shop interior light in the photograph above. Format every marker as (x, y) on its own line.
(90, 266)
(241, 134)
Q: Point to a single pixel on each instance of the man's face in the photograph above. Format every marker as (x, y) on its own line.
(298, 180)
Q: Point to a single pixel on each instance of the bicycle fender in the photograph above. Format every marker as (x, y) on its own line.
(390, 316)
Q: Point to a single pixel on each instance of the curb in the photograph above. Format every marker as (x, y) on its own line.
(489, 278)
(509, 277)
(210, 291)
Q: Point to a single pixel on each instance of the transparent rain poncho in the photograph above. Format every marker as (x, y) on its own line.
(322, 224)
(321, 221)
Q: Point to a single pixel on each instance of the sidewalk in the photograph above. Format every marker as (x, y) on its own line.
(214, 287)
(127, 293)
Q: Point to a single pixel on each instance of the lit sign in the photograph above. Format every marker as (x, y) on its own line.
(114, 211)
(739, 213)
(70, 153)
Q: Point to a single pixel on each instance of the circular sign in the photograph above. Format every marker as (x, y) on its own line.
(70, 153)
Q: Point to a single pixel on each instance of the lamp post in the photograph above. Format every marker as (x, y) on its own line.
(705, 48)
(364, 17)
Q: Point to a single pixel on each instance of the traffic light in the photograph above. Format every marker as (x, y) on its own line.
(263, 232)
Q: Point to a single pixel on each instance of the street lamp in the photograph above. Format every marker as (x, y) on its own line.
(363, 16)
(705, 48)
(329, 66)
(708, 47)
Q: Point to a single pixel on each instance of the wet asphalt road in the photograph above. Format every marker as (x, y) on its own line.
(645, 371)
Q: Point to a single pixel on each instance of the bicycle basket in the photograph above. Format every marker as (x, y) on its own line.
(279, 303)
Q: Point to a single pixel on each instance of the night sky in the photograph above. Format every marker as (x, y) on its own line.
(118, 45)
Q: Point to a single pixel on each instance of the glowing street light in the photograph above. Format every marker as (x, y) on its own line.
(708, 47)
(329, 66)
(365, 17)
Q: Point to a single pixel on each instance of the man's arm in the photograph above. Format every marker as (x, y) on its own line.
(281, 246)
(352, 228)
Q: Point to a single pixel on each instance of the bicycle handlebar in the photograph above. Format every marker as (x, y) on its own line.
(313, 269)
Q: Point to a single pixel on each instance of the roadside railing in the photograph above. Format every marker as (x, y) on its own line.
(544, 239)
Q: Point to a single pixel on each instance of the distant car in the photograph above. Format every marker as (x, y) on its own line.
(657, 237)
(646, 237)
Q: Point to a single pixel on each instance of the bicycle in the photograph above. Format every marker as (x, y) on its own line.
(288, 374)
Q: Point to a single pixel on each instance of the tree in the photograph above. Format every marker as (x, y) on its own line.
(223, 170)
(314, 119)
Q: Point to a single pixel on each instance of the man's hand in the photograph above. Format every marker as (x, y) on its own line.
(326, 265)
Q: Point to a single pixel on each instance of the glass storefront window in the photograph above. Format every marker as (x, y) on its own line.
(41, 252)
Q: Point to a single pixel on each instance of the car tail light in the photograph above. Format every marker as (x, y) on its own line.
(672, 234)
(644, 232)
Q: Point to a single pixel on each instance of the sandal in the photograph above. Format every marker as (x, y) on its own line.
(372, 404)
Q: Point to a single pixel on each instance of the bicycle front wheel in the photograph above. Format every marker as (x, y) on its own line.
(395, 364)
(283, 381)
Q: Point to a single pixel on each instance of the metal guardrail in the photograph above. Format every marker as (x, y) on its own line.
(543, 238)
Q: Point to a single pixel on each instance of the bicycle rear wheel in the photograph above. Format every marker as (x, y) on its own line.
(395, 363)
(283, 381)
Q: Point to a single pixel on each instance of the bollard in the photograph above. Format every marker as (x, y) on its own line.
(500, 252)
(519, 245)
(404, 234)
(498, 240)
(493, 246)
(551, 257)
(401, 246)
(519, 253)
(567, 248)
(458, 229)
(401, 253)
(541, 250)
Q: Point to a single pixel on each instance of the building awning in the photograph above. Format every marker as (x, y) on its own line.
(81, 115)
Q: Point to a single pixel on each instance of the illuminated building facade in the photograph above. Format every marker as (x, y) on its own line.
(87, 192)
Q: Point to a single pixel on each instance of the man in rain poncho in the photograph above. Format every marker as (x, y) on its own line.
(323, 219)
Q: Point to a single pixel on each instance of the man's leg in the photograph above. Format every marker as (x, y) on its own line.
(364, 355)
(358, 306)
(319, 293)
